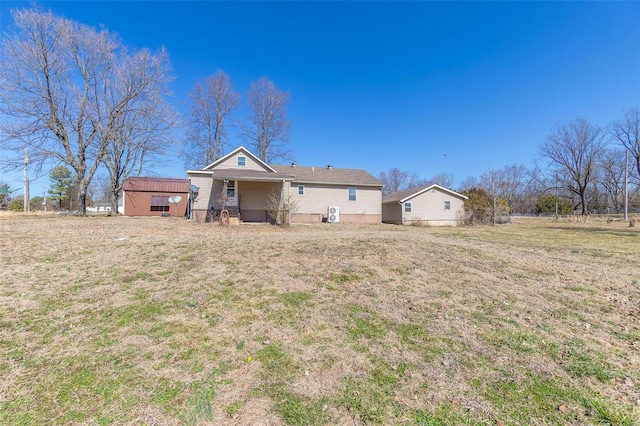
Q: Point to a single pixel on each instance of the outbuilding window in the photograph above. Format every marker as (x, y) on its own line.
(447, 205)
(159, 203)
(407, 207)
(352, 193)
(242, 161)
(300, 189)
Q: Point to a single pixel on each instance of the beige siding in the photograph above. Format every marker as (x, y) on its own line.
(204, 183)
(318, 198)
(253, 195)
(232, 163)
(392, 213)
(428, 207)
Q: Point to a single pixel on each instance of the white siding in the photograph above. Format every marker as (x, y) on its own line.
(428, 207)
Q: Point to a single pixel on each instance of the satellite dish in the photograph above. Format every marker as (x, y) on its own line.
(175, 199)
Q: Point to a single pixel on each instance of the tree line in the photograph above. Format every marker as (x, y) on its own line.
(583, 170)
(79, 97)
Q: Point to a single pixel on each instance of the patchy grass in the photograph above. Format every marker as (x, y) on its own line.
(117, 320)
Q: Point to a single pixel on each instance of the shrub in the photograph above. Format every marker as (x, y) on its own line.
(16, 204)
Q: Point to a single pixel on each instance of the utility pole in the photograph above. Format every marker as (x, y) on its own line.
(26, 206)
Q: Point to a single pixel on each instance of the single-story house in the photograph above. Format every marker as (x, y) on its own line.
(242, 184)
(150, 196)
(430, 205)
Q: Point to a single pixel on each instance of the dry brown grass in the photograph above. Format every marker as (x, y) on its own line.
(152, 321)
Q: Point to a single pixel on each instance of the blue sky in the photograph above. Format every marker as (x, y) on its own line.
(428, 87)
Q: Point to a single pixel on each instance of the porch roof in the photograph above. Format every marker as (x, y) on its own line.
(247, 175)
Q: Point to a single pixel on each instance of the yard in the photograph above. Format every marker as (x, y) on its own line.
(113, 320)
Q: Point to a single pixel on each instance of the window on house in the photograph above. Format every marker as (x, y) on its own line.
(231, 188)
(447, 205)
(159, 203)
(352, 193)
(300, 189)
(407, 207)
(242, 161)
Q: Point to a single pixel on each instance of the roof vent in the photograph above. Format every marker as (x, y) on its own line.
(293, 165)
(329, 167)
(313, 169)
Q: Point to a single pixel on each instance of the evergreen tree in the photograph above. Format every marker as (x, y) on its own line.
(61, 180)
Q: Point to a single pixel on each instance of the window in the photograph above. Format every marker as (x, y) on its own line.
(407, 207)
(242, 161)
(159, 203)
(231, 189)
(300, 189)
(352, 193)
(447, 205)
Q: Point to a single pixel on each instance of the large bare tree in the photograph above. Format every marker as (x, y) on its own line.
(267, 129)
(212, 101)
(56, 91)
(626, 131)
(141, 132)
(573, 149)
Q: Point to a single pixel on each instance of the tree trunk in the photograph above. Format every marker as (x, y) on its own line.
(583, 200)
(114, 202)
(82, 198)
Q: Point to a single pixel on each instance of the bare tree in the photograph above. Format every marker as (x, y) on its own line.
(495, 184)
(626, 131)
(395, 180)
(612, 170)
(140, 134)
(212, 102)
(573, 150)
(445, 180)
(268, 128)
(56, 77)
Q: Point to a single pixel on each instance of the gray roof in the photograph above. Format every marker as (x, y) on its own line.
(401, 196)
(328, 175)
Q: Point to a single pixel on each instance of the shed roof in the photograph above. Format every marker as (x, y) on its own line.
(402, 196)
(154, 184)
(328, 175)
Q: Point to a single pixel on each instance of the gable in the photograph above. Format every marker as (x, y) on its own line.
(240, 159)
(407, 195)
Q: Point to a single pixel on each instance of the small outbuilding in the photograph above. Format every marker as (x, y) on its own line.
(430, 205)
(150, 196)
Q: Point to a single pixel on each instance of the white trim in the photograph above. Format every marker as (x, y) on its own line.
(355, 193)
(434, 186)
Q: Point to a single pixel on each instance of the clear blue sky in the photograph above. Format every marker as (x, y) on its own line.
(376, 85)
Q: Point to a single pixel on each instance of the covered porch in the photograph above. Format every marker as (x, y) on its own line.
(244, 196)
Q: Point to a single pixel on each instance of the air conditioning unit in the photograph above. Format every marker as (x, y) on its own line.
(334, 215)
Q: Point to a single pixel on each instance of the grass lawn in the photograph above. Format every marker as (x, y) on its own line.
(112, 320)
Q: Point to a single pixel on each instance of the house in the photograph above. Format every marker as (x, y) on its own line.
(242, 183)
(149, 196)
(430, 205)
